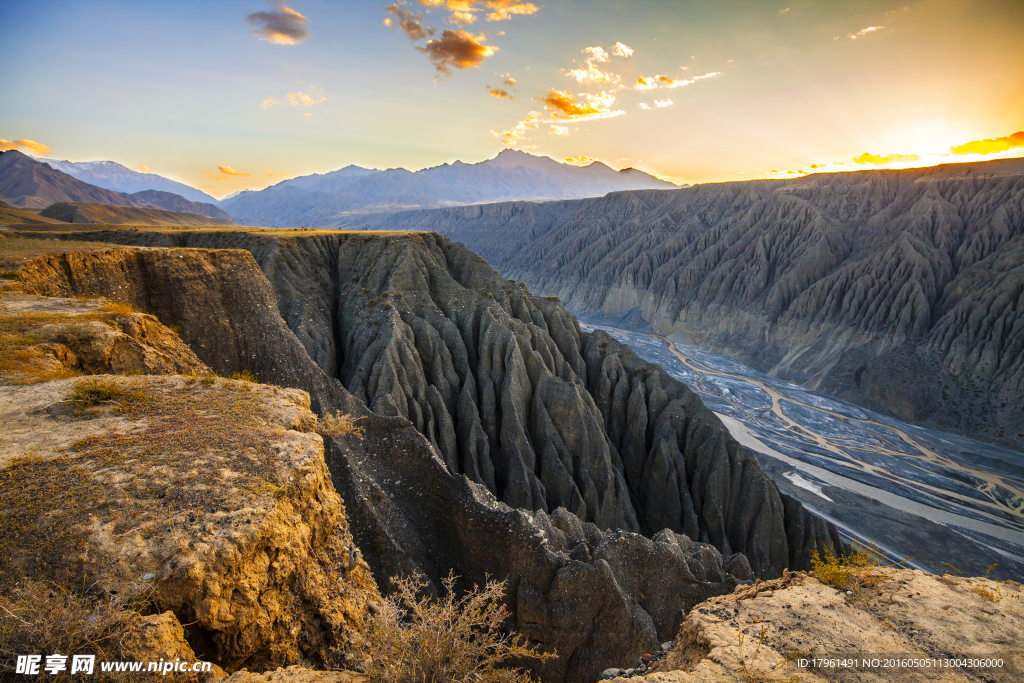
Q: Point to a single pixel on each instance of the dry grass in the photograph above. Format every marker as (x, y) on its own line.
(244, 376)
(96, 390)
(752, 671)
(38, 617)
(116, 308)
(15, 250)
(339, 425)
(135, 481)
(414, 638)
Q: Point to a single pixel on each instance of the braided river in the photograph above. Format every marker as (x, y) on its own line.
(945, 501)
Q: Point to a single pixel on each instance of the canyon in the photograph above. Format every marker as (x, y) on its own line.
(499, 440)
(898, 290)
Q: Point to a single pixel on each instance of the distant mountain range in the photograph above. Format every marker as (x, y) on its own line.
(323, 200)
(28, 183)
(318, 200)
(111, 175)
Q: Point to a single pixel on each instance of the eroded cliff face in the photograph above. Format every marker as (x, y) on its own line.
(499, 439)
(899, 290)
(210, 497)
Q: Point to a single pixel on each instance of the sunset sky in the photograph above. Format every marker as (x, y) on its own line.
(238, 94)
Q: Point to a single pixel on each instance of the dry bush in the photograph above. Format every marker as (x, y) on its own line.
(244, 376)
(850, 572)
(41, 618)
(339, 425)
(414, 638)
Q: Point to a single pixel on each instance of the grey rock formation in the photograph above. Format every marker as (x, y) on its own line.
(898, 290)
(499, 439)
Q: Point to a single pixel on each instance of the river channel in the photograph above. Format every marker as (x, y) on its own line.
(945, 501)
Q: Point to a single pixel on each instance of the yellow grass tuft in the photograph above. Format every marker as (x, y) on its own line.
(339, 425)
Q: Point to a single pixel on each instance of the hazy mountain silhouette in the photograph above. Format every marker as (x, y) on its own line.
(320, 200)
(111, 175)
(29, 183)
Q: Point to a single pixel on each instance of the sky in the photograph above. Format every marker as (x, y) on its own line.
(241, 94)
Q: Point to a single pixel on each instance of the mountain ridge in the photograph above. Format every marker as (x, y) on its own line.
(111, 175)
(323, 200)
(27, 182)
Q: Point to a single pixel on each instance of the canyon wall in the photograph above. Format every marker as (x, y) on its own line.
(902, 291)
(500, 440)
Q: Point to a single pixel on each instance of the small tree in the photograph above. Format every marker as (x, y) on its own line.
(414, 638)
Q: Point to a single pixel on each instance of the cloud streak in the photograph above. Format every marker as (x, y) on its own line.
(662, 81)
(227, 170)
(864, 32)
(463, 12)
(991, 145)
(30, 145)
(281, 26)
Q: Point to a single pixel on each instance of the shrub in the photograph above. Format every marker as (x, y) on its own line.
(414, 638)
(852, 571)
(339, 425)
(244, 376)
(93, 391)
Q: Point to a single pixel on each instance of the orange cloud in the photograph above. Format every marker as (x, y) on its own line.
(282, 26)
(268, 172)
(867, 158)
(513, 135)
(457, 49)
(500, 94)
(991, 145)
(559, 130)
(270, 102)
(463, 11)
(408, 21)
(143, 169)
(510, 82)
(580, 161)
(301, 99)
(227, 170)
(563, 105)
(37, 147)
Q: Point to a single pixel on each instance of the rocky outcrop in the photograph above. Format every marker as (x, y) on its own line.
(899, 290)
(499, 440)
(58, 336)
(762, 632)
(210, 497)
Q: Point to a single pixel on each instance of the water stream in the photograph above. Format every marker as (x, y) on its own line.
(947, 502)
